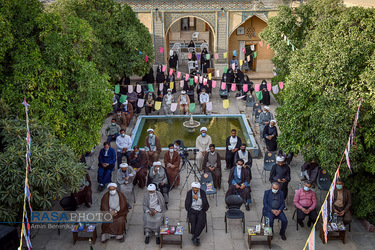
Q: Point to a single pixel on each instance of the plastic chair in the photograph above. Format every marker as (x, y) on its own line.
(256, 107)
(256, 116)
(269, 161)
(234, 203)
(206, 180)
(195, 36)
(204, 46)
(191, 50)
(250, 100)
(224, 92)
(323, 181)
(191, 66)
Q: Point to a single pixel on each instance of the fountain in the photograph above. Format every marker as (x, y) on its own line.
(191, 124)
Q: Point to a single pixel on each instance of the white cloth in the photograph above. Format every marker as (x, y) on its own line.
(232, 143)
(151, 187)
(195, 185)
(183, 100)
(238, 172)
(168, 99)
(154, 203)
(197, 204)
(114, 202)
(244, 156)
(204, 98)
(112, 184)
(123, 142)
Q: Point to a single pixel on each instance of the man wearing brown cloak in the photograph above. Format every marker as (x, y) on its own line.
(172, 165)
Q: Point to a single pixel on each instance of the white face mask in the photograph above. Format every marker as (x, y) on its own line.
(151, 135)
(113, 192)
(169, 93)
(171, 150)
(239, 166)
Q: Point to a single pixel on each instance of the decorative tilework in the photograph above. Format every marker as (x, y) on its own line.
(170, 17)
(261, 14)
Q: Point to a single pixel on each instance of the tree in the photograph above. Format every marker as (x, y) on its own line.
(120, 35)
(54, 168)
(327, 75)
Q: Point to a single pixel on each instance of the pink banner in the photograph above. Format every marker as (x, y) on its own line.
(244, 50)
(245, 87)
(164, 68)
(130, 89)
(281, 85)
(146, 58)
(312, 240)
(190, 55)
(182, 83)
(223, 85)
(187, 77)
(216, 56)
(233, 66)
(257, 87)
(161, 49)
(200, 79)
(261, 43)
(205, 81)
(214, 84)
(233, 88)
(170, 72)
(268, 46)
(178, 74)
(195, 79)
(269, 86)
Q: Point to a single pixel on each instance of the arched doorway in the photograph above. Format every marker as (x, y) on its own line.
(246, 36)
(181, 31)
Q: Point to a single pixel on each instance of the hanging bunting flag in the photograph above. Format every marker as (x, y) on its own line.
(261, 43)
(140, 52)
(146, 58)
(269, 86)
(292, 47)
(179, 74)
(171, 85)
(240, 97)
(123, 98)
(208, 56)
(190, 55)
(182, 83)
(233, 88)
(161, 49)
(161, 86)
(138, 88)
(140, 103)
(173, 107)
(209, 106)
(170, 52)
(164, 68)
(275, 89)
(191, 107)
(191, 82)
(200, 79)
(170, 72)
(234, 52)
(252, 47)
(287, 42)
(195, 79)
(130, 89)
(245, 87)
(233, 66)
(150, 87)
(259, 95)
(257, 87)
(187, 77)
(157, 105)
(225, 54)
(117, 89)
(285, 38)
(214, 84)
(205, 81)
(241, 62)
(217, 73)
(255, 54)
(217, 56)
(244, 50)
(223, 85)
(281, 85)
(225, 70)
(226, 103)
(325, 217)
(312, 240)
(268, 46)
(248, 58)
(198, 57)
(209, 76)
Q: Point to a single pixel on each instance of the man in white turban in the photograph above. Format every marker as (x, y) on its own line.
(125, 176)
(153, 211)
(168, 99)
(196, 204)
(202, 143)
(152, 147)
(270, 136)
(280, 173)
(264, 118)
(184, 102)
(114, 202)
(158, 176)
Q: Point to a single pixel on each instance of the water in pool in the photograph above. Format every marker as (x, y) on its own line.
(169, 129)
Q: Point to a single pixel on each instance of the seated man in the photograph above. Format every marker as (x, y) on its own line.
(158, 176)
(168, 99)
(204, 98)
(342, 202)
(120, 119)
(112, 131)
(125, 177)
(114, 202)
(84, 195)
(212, 164)
(239, 183)
(107, 160)
(153, 209)
(138, 161)
(150, 102)
(310, 171)
(273, 206)
(172, 165)
(127, 109)
(123, 143)
(183, 102)
(305, 202)
(244, 155)
(280, 173)
(196, 205)
(152, 147)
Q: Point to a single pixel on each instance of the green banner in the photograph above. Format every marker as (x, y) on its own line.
(191, 107)
(191, 81)
(123, 98)
(259, 95)
(117, 89)
(150, 88)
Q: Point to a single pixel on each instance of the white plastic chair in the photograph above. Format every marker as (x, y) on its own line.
(195, 36)
(191, 66)
(191, 50)
(204, 46)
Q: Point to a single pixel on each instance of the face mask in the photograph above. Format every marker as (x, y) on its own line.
(169, 93)
(151, 135)
(203, 134)
(239, 166)
(106, 149)
(264, 111)
(113, 124)
(171, 150)
(306, 188)
(339, 186)
(157, 169)
(150, 94)
(136, 153)
(123, 135)
(274, 191)
(112, 192)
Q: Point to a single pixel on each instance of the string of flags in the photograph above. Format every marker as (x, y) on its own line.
(288, 42)
(25, 230)
(324, 210)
